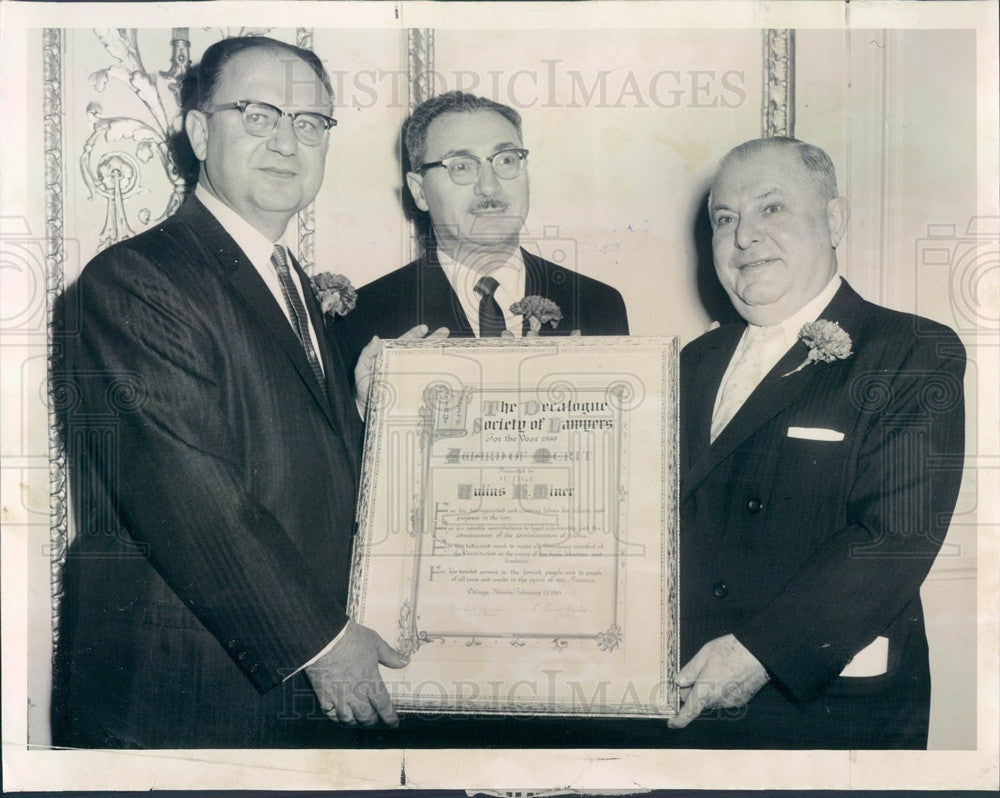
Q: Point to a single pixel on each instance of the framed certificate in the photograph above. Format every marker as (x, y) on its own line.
(518, 525)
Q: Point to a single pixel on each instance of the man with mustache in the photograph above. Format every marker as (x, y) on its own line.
(469, 173)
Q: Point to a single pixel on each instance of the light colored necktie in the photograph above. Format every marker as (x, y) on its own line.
(297, 310)
(746, 374)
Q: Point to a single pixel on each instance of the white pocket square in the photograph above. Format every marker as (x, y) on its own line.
(873, 660)
(815, 434)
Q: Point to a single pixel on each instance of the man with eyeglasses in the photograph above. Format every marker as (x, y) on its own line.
(215, 453)
(469, 173)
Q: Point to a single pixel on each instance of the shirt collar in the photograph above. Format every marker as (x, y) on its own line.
(810, 312)
(508, 273)
(255, 245)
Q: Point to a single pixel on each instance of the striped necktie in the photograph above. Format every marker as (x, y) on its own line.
(297, 310)
(491, 320)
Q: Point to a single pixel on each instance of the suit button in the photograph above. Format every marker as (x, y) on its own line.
(720, 590)
(754, 506)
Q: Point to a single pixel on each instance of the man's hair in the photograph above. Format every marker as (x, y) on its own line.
(415, 130)
(214, 61)
(813, 158)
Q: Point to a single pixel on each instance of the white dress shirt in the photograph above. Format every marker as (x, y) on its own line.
(258, 249)
(508, 271)
(778, 339)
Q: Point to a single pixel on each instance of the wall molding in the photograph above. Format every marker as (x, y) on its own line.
(778, 103)
(420, 84)
(53, 46)
(420, 65)
(306, 218)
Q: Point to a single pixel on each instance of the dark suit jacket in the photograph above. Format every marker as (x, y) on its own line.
(419, 293)
(215, 489)
(807, 550)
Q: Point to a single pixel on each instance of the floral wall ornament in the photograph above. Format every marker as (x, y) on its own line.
(120, 148)
(180, 62)
(128, 156)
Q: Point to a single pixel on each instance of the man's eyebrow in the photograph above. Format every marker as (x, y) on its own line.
(763, 195)
(453, 153)
(506, 145)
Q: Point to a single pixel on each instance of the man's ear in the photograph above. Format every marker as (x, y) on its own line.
(196, 127)
(415, 181)
(837, 214)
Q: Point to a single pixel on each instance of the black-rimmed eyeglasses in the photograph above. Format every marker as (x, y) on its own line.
(464, 169)
(261, 119)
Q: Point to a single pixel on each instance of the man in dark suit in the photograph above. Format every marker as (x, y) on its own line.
(469, 173)
(820, 468)
(214, 442)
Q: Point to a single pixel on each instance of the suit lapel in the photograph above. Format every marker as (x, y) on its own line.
(339, 400)
(534, 281)
(318, 323)
(250, 286)
(540, 279)
(441, 304)
(703, 386)
(439, 300)
(776, 391)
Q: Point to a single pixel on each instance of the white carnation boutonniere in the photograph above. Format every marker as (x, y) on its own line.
(827, 341)
(538, 311)
(336, 295)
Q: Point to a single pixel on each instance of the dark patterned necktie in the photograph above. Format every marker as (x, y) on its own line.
(491, 321)
(300, 319)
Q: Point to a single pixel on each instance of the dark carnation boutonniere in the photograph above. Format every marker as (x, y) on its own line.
(335, 293)
(827, 341)
(538, 310)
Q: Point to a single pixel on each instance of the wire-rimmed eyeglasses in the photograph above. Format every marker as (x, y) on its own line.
(261, 119)
(464, 169)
